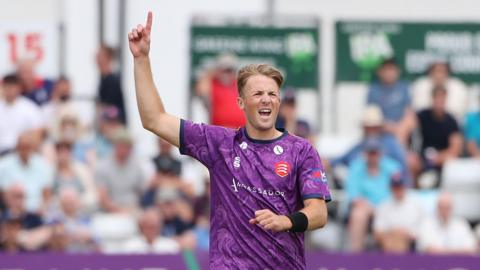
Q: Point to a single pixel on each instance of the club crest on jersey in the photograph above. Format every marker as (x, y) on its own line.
(282, 168)
(278, 150)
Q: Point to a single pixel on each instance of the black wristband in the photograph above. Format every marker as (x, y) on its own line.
(299, 222)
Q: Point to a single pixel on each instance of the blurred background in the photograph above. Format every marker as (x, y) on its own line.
(387, 91)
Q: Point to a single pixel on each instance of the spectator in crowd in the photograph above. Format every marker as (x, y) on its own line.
(71, 174)
(177, 212)
(167, 174)
(441, 137)
(69, 129)
(110, 88)
(367, 186)
(438, 74)
(17, 115)
(35, 88)
(218, 89)
(59, 103)
(445, 234)
(70, 229)
(16, 221)
(287, 118)
(373, 126)
(109, 122)
(397, 219)
(202, 210)
(149, 241)
(31, 170)
(120, 177)
(472, 133)
(392, 96)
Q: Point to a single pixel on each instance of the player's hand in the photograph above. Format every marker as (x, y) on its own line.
(139, 38)
(271, 221)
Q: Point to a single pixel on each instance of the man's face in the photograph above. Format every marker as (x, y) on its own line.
(439, 101)
(122, 151)
(398, 192)
(373, 157)
(260, 99)
(388, 74)
(11, 91)
(439, 73)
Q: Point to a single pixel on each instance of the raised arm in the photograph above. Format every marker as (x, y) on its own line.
(152, 112)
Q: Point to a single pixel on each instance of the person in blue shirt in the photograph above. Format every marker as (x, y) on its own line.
(367, 185)
(472, 133)
(392, 96)
(373, 125)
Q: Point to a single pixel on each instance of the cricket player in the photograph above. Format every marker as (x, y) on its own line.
(267, 186)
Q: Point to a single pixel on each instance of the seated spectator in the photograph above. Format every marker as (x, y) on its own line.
(372, 124)
(444, 233)
(397, 219)
(439, 74)
(17, 115)
(441, 137)
(119, 177)
(70, 229)
(392, 96)
(109, 121)
(16, 221)
(167, 174)
(35, 88)
(287, 118)
(472, 133)
(149, 241)
(31, 170)
(69, 129)
(218, 89)
(71, 174)
(367, 186)
(177, 212)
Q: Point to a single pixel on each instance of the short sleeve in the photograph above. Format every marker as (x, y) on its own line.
(201, 141)
(312, 177)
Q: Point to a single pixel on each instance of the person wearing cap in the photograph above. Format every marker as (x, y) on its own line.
(218, 89)
(397, 219)
(367, 186)
(392, 96)
(120, 177)
(373, 125)
(109, 121)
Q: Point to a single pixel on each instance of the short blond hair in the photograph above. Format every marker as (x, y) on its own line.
(258, 69)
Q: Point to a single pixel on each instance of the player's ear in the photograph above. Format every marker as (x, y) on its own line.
(241, 102)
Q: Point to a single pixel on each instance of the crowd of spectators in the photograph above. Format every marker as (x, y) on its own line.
(70, 187)
(410, 132)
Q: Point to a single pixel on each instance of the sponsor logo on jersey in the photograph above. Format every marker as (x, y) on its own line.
(278, 150)
(236, 162)
(282, 168)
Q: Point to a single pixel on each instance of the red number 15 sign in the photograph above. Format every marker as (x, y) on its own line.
(37, 41)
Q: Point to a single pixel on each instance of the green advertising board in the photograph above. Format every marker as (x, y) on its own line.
(294, 50)
(361, 46)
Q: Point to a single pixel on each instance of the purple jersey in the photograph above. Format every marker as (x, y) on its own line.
(249, 175)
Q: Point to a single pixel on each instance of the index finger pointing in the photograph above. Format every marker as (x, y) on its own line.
(149, 21)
